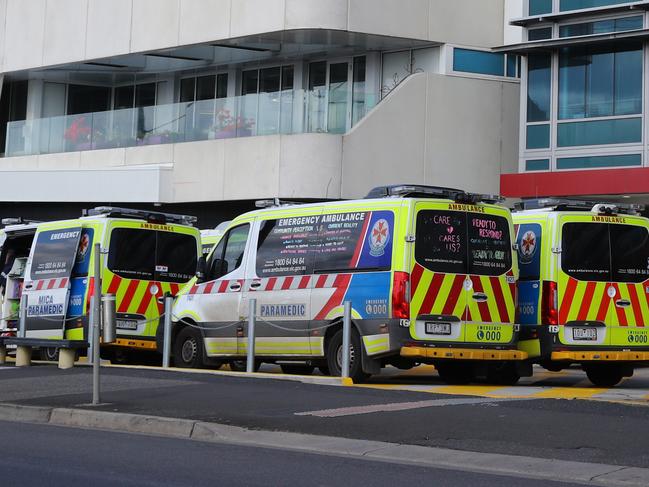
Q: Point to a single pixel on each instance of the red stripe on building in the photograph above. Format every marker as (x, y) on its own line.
(128, 296)
(621, 313)
(568, 295)
(271, 283)
(585, 302)
(322, 280)
(223, 285)
(287, 283)
(496, 285)
(114, 284)
(483, 307)
(361, 241)
(604, 303)
(635, 303)
(341, 284)
(431, 294)
(304, 282)
(415, 277)
(453, 295)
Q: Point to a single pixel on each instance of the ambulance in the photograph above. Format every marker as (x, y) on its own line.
(584, 286)
(210, 237)
(145, 255)
(425, 266)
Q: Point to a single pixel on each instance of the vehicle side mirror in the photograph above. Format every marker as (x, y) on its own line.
(201, 268)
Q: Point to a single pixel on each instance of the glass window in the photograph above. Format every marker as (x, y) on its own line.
(228, 255)
(538, 7)
(529, 251)
(285, 247)
(222, 85)
(512, 61)
(538, 136)
(205, 87)
(601, 26)
(480, 62)
(358, 101)
(145, 95)
(287, 77)
(630, 256)
(87, 99)
(590, 162)
(537, 165)
(591, 265)
(580, 4)
(124, 97)
(597, 132)
(187, 90)
(175, 257)
(461, 243)
(250, 82)
(54, 253)
(132, 253)
(539, 34)
(538, 87)
(596, 82)
(269, 80)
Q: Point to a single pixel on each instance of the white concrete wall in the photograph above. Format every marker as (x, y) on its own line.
(38, 33)
(286, 166)
(438, 130)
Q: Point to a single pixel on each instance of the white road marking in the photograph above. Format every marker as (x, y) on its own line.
(397, 406)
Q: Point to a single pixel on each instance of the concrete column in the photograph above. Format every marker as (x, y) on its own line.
(23, 356)
(66, 358)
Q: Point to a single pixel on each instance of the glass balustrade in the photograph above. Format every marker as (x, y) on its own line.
(285, 112)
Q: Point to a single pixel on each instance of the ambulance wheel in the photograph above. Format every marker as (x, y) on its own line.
(335, 356)
(455, 373)
(242, 365)
(604, 375)
(51, 354)
(502, 374)
(297, 369)
(188, 349)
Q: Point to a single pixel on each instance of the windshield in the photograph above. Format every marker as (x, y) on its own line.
(605, 252)
(463, 243)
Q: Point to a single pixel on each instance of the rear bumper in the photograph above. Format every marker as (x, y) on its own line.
(438, 353)
(600, 356)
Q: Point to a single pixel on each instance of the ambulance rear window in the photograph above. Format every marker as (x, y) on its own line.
(463, 243)
(605, 252)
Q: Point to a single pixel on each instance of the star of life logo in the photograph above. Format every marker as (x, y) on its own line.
(379, 237)
(528, 246)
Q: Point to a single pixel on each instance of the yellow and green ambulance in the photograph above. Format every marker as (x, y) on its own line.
(584, 286)
(145, 255)
(428, 271)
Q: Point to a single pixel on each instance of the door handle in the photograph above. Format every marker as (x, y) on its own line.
(622, 303)
(255, 285)
(480, 297)
(235, 287)
(28, 286)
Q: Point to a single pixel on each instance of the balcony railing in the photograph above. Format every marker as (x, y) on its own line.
(286, 112)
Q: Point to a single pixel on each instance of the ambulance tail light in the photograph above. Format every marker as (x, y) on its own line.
(550, 304)
(401, 295)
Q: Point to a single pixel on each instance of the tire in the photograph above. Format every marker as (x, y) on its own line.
(502, 374)
(334, 356)
(604, 375)
(50, 354)
(242, 365)
(297, 369)
(455, 373)
(189, 351)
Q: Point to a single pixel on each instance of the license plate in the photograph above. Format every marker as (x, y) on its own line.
(123, 324)
(438, 328)
(584, 334)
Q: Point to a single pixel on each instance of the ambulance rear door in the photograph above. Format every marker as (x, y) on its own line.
(47, 280)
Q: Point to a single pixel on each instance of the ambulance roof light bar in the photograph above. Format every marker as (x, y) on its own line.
(419, 190)
(274, 202)
(149, 216)
(17, 221)
(564, 204)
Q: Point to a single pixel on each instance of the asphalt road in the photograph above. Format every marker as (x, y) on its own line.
(574, 430)
(53, 456)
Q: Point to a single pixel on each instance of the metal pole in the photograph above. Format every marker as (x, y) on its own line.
(22, 329)
(166, 349)
(250, 366)
(96, 326)
(347, 333)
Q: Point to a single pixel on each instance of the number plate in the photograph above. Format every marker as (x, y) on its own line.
(126, 324)
(587, 334)
(433, 328)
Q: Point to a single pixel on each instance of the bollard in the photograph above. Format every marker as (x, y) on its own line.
(96, 327)
(108, 318)
(166, 349)
(250, 366)
(347, 333)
